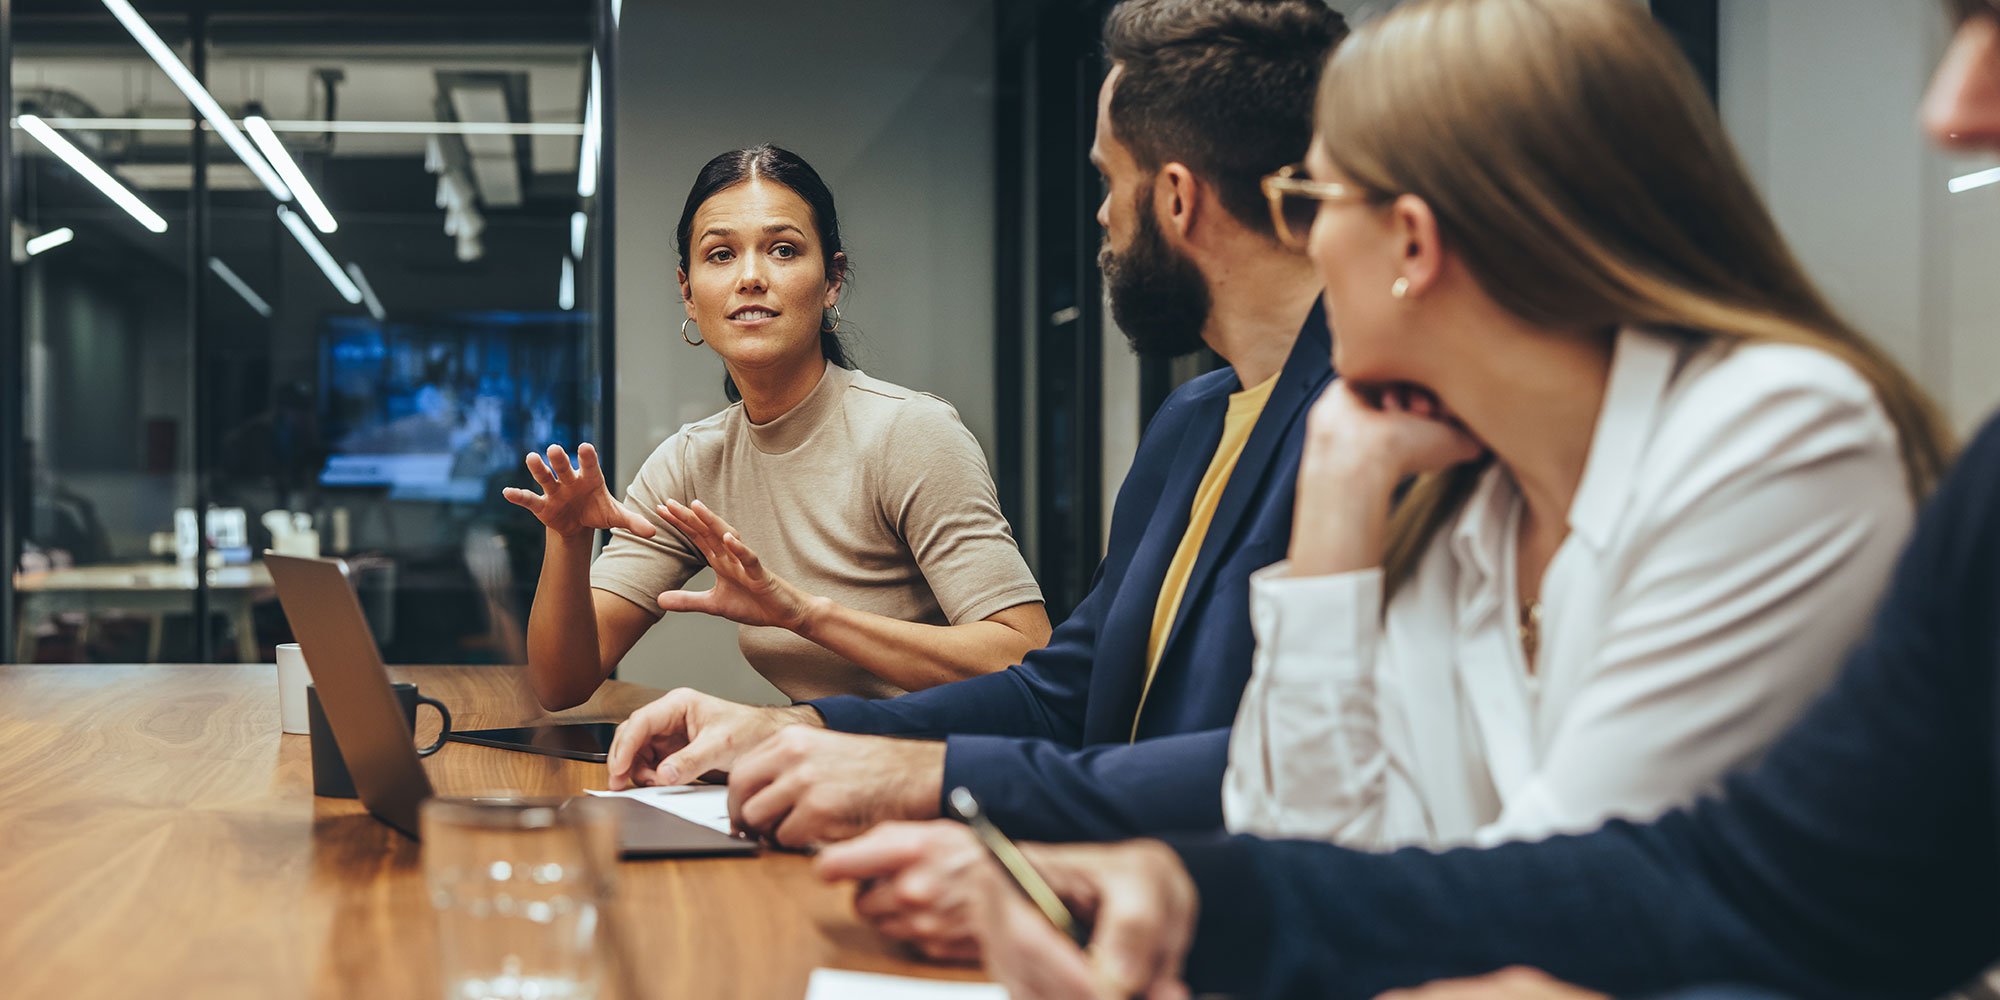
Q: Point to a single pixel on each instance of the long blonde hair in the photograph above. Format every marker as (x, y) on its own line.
(1577, 167)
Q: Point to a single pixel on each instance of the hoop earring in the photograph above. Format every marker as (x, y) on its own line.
(1401, 288)
(684, 333)
(837, 319)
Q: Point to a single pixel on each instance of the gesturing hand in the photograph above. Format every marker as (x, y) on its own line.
(574, 500)
(744, 592)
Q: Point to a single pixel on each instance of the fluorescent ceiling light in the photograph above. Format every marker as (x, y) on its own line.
(120, 124)
(198, 96)
(586, 155)
(93, 173)
(579, 224)
(566, 291)
(491, 158)
(179, 176)
(304, 234)
(1974, 180)
(367, 291)
(49, 240)
(433, 128)
(288, 168)
(309, 125)
(240, 286)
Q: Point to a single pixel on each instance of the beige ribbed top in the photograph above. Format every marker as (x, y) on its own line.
(866, 493)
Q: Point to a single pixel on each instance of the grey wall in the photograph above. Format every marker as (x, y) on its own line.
(891, 100)
(1820, 97)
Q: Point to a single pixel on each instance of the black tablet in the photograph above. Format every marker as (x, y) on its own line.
(574, 740)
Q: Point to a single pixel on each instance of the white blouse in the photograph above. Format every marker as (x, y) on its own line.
(1738, 516)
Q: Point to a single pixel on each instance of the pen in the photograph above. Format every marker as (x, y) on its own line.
(1030, 881)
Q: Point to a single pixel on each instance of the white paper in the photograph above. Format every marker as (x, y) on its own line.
(707, 805)
(837, 984)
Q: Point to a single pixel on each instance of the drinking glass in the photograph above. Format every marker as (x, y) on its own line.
(521, 886)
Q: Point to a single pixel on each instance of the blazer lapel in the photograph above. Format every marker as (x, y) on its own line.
(1124, 668)
(1306, 370)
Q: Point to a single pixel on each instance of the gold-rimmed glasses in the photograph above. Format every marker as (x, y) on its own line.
(1295, 199)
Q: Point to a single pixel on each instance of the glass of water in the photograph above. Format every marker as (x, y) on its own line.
(521, 886)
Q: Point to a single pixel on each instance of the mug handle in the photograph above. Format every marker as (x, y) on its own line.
(444, 726)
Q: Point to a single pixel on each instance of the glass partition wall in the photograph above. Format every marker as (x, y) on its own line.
(322, 276)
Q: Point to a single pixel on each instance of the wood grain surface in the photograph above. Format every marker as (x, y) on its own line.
(159, 838)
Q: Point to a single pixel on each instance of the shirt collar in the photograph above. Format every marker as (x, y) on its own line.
(1479, 533)
(1643, 364)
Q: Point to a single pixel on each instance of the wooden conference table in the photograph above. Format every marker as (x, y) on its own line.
(159, 837)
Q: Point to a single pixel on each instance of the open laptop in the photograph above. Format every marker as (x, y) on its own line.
(368, 725)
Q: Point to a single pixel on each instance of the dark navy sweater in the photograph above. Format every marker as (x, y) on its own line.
(1859, 858)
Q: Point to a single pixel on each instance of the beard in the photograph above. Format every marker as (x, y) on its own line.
(1158, 296)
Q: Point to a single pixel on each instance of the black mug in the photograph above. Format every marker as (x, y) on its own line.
(330, 777)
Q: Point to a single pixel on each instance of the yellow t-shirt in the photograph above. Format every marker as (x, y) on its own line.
(1244, 409)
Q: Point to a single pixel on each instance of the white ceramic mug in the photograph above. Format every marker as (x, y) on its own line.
(292, 680)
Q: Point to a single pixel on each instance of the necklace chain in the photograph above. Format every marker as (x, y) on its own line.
(1531, 630)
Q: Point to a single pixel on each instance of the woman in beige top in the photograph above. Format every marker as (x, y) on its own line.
(881, 563)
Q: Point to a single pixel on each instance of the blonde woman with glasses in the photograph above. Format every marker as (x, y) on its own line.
(1657, 482)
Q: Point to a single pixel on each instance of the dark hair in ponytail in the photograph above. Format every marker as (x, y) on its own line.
(785, 167)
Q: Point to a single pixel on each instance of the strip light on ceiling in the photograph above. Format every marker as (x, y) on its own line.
(566, 290)
(316, 127)
(198, 96)
(49, 240)
(239, 286)
(288, 168)
(304, 234)
(96, 175)
(586, 154)
(367, 292)
(579, 225)
(1977, 179)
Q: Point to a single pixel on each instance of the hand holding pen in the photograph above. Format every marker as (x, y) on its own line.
(1129, 907)
(1117, 924)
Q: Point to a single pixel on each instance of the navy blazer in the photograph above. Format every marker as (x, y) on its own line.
(1047, 745)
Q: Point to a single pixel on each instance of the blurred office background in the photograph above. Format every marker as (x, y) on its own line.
(367, 346)
(503, 180)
